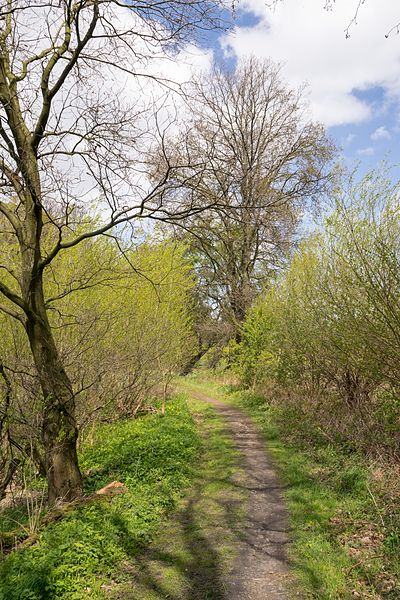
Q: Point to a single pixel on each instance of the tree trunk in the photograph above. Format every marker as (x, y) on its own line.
(59, 429)
(240, 303)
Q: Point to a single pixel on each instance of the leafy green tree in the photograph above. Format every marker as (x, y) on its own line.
(123, 327)
(331, 323)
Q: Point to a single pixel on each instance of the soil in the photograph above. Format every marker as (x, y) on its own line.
(261, 570)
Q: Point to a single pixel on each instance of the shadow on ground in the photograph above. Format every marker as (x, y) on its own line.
(189, 559)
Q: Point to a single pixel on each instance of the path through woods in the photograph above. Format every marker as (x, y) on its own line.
(261, 570)
(228, 538)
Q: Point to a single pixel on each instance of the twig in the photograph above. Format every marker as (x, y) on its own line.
(361, 562)
(376, 506)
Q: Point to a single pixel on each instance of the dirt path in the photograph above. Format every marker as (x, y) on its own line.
(261, 570)
(227, 539)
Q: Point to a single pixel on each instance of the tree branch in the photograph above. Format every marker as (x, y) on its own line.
(8, 293)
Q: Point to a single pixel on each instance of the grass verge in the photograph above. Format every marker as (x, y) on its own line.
(161, 538)
(345, 540)
(76, 557)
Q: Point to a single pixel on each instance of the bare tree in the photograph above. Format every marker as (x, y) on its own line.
(264, 162)
(68, 138)
(329, 5)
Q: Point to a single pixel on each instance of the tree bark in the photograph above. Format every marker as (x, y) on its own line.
(59, 428)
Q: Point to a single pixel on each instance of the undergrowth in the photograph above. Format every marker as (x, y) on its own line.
(76, 557)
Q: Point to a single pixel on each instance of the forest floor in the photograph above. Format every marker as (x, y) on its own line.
(205, 514)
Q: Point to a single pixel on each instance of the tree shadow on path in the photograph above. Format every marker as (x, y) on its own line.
(188, 560)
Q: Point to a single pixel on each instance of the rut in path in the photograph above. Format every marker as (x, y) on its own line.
(261, 570)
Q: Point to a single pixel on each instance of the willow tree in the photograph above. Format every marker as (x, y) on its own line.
(69, 138)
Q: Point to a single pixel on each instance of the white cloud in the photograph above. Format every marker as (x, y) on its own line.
(369, 151)
(310, 43)
(381, 133)
(349, 139)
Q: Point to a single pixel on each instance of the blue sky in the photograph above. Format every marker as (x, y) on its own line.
(353, 84)
(374, 139)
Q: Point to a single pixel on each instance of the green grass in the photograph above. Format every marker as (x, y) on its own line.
(154, 457)
(344, 543)
(191, 555)
(173, 534)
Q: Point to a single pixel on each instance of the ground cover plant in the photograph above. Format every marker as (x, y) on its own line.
(154, 457)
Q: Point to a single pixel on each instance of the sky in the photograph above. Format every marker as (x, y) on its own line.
(350, 66)
(341, 52)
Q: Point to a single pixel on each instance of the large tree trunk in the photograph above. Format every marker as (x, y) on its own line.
(59, 426)
(240, 302)
(59, 429)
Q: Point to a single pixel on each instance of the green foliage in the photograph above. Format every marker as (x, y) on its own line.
(123, 326)
(251, 357)
(154, 457)
(328, 332)
(351, 479)
(132, 327)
